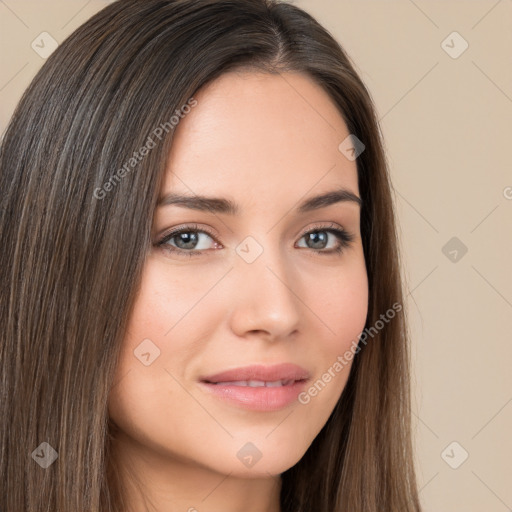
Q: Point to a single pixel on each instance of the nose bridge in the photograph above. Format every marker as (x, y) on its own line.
(265, 300)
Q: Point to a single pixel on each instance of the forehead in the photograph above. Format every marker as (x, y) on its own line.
(256, 133)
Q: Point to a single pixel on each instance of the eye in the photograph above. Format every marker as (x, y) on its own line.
(192, 241)
(321, 237)
(187, 241)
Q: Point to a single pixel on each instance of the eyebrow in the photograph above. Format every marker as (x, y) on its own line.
(222, 205)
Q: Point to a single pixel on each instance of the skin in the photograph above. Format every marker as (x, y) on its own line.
(266, 142)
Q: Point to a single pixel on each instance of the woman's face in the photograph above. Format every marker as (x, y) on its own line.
(263, 286)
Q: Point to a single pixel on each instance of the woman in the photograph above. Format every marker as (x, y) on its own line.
(202, 299)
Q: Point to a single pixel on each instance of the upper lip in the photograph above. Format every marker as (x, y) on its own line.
(265, 373)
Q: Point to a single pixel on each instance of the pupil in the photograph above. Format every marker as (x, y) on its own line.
(189, 239)
(322, 239)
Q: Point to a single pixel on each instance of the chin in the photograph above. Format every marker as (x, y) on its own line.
(262, 458)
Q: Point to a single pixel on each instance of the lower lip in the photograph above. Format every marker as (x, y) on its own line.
(260, 398)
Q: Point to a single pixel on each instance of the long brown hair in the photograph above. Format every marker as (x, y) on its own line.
(72, 254)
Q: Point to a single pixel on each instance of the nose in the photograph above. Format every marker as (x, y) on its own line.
(264, 301)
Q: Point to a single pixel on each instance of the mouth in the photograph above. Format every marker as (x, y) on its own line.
(256, 383)
(258, 387)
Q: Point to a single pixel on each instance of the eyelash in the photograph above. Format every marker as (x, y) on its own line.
(345, 239)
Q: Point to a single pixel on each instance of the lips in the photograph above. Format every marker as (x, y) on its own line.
(258, 387)
(259, 375)
(256, 383)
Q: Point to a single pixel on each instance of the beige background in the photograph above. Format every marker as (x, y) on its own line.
(446, 122)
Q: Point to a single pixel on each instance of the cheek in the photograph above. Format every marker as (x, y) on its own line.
(168, 305)
(341, 303)
(167, 328)
(163, 300)
(345, 309)
(342, 311)
(155, 348)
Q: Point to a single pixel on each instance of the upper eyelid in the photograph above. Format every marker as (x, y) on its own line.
(184, 229)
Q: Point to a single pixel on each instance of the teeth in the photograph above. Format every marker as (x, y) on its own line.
(274, 384)
(256, 383)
